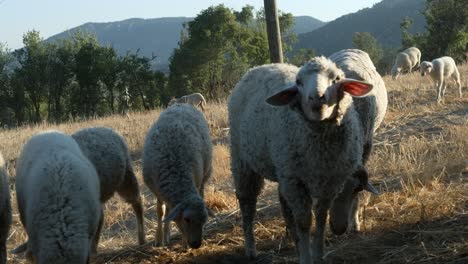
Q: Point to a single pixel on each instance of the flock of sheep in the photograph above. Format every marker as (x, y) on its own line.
(441, 69)
(310, 129)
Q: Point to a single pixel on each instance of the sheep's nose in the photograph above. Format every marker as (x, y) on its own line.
(195, 244)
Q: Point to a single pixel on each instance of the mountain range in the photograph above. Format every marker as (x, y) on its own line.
(159, 36)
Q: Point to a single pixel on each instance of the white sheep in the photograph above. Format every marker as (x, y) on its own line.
(307, 137)
(441, 70)
(371, 109)
(177, 158)
(58, 199)
(109, 154)
(406, 61)
(5, 210)
(195, 99)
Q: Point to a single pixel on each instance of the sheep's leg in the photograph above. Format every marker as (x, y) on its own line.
(130, 192)
(248, 187)
(439, 91)
(301, 206)
(321, 210)
(289, 218)
(97, 235)
(159, 216)
(167, 231)
(354, 224)
(201, 106)
(456, 77)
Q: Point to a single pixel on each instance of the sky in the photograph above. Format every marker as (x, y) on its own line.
(51, 17)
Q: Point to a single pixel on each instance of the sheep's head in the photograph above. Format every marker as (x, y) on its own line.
(425, 68)
(343, 205)
(172, 101)
(190, 217)
(396, 72)
(320, 87)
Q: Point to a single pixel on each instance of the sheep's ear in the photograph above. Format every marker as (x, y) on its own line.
(174, 213)
(20, 249)
(284, 97)
(356, 88)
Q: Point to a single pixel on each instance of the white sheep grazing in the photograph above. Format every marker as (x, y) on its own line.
(5, 210)
(177, 159)
(195, 99)
(371, 109)
(406, 61)
(307, 136)
(109, 154)
(58, 199)
(441, 70)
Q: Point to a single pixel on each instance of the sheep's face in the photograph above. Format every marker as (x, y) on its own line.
(191, 226)
(396, 73)
(346, 202)
(190, 218)
(320, 86)
(426, 68)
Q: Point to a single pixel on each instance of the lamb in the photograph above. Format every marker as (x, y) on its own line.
(58, 199)
(307, 137)
(109, 154)
(5, 210)
(371, 110)
(406, 61)
(177, 158)
(195, 99)
(441, 70)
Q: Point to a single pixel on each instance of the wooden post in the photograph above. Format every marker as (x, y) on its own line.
(273, 31)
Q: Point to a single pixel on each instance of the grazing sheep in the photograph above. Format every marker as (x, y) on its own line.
(307, 137)
(177, 158)
(406, 61)
(109, 154)
(58, 199)
(371, 109)
(5, 210)
(441, 70)
(195, 99)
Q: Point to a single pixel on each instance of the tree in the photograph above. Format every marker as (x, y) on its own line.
(366, 42)
(302, 56)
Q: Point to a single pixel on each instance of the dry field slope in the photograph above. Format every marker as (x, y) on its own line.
(420, 163)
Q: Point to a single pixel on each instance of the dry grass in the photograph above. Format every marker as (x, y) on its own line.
(420, 163)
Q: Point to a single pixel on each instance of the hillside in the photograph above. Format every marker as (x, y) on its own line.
(158, 36)
(419, 163)
(382, 21)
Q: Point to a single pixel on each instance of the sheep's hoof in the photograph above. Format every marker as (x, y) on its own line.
(251, 253)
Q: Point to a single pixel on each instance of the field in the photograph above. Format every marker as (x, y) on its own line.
(420, 164)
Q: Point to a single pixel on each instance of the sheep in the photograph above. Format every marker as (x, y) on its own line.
(406, 61)
(5, 210)
(441, 70)
(371, 110)
(306, 137)
(58, 199)
(177, 158)
(195, 99)
(109, 154)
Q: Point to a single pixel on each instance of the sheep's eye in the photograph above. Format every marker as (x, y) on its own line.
(298, 82)
(337, 79)
(187, 220)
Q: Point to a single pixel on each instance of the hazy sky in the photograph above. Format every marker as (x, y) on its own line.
(54, 16)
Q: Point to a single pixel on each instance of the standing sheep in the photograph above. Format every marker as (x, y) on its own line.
(406, 61)
(5, 210)
(441, 70)
(58, 199)
(195, 99)
(109, 154)
(371, 109)
(176, 165)
(307, 137)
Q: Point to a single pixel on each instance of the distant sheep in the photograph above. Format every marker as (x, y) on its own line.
(441, 70)
(109, 154)
(58, 199)
(307, 137)
(195, 99)
(5, 210)
(406, 61)
(371, 109)
(177, 158)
